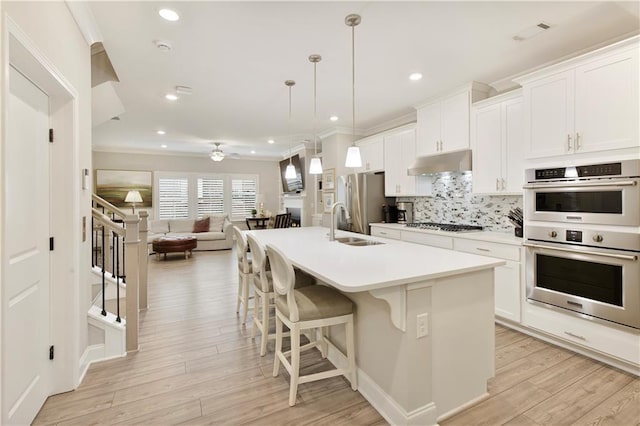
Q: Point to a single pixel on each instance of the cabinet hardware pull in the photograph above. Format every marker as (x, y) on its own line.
(497, 184)
(588, 253)
(578, 140)
(383, 233)
(504, 184)
(483, 249)
(568, 333)
(568, 142)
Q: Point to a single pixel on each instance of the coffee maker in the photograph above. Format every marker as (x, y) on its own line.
(405, 212)
(389, 214)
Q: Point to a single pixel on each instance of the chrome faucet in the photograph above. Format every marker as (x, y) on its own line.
(332, 229)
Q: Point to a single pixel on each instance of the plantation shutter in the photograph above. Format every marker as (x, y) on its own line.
(174, 198)
(243, 197)
(210, 196)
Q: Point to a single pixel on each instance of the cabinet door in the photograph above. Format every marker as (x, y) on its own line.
(549, 112)
(512, 144)
(428, 129)
(487, 137)
(607, 103)
(372, 153)
(392, 164)
(454, 122)
(507, 291)
(408, 155)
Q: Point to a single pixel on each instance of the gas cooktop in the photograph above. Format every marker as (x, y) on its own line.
(448, 227)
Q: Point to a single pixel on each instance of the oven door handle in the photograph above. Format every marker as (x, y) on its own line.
(591, 253)
(579, 184)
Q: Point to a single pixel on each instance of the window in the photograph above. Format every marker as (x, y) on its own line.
(210, 196)
(243, 197)
(195, 195)
(173, 198)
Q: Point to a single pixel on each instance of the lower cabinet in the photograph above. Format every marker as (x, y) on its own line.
(508, 297)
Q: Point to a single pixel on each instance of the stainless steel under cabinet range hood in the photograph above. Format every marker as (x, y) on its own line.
(454, 161)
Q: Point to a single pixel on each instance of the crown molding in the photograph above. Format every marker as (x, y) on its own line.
(121, 150)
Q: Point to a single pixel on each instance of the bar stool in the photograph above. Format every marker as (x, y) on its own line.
(311, 307)
(244, 272)
(264, 295)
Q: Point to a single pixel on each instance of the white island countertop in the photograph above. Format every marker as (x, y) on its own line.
(362, 268)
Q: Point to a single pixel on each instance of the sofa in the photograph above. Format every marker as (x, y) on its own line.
(212, 232)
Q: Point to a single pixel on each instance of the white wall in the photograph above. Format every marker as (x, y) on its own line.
(52, 31)
(268, 171)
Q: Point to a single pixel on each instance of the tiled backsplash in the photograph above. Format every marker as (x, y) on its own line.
(453, 202)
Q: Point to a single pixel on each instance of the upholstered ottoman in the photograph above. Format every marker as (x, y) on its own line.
(174, 245)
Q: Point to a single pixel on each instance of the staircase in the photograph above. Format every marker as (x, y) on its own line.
(118, 277)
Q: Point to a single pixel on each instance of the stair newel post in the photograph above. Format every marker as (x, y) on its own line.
(143, 257)
(132, 254)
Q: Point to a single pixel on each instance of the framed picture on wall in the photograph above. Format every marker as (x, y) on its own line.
(328, 198)
(113, 186)
(328, 180)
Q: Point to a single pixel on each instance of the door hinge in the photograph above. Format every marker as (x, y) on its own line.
(51, 135)
(51, 352)
(50, 243)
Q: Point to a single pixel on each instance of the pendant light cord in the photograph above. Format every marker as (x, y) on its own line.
(315, 110)
(353, 84)
(289, 124)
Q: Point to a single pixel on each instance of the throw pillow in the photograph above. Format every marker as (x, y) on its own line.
(217, 223)
(201, 225)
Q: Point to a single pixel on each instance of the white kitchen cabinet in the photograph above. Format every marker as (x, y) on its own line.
(496, 142)
(508, 297)
(587, 104)
(378, 231)
(443, 124)
(399, 154)
(441, 241)
(372, 154)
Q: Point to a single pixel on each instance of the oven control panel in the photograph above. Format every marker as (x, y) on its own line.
(573, 236)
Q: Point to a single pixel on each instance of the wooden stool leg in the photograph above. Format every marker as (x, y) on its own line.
(254, 327)
(265, 323)
(295, 364)
(351, 354)
(276, 360)
(239, 292)
(245, 297)
(324, 348)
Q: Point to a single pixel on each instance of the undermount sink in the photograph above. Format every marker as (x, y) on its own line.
(357, 242)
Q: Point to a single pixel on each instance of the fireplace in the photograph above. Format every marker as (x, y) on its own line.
(295, 215)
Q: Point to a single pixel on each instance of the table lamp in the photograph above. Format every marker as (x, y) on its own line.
(133, 197)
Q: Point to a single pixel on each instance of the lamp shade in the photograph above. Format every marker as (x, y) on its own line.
(315, 166)
(353, 157)
(133, 197)
(290, 173)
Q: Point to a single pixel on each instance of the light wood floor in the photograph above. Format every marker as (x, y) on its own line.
(198, 365)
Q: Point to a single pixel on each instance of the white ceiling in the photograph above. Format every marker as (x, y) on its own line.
(237, 55)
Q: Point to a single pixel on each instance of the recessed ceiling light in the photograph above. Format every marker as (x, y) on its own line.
(163, 146)
(252, 151)
(415, 76)
(168, 14)
(161, 132)
(271, 141)
(333, 118)
(171, 97)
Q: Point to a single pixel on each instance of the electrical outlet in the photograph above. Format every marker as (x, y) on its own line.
(422, 325)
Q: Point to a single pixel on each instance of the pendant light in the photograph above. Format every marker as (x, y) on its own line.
(290, 172)
(353, 153)
(315, 166)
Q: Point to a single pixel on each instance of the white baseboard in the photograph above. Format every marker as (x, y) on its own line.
(93, 353)
(383, 402)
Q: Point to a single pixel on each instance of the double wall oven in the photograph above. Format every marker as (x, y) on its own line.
(583, 240)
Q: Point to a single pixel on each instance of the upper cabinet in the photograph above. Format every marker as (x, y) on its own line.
(443, 123)
(372, 154)
(584, 105)
(496, 144)
(399, 154)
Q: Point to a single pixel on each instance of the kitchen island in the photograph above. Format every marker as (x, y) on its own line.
(424, 319)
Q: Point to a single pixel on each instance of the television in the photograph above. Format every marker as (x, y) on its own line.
(292, 185)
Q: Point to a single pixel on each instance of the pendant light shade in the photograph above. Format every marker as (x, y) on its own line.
(353, 153)
(315, 166)
(290, 172)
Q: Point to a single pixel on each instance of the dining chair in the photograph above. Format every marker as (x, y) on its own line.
(282, 220)
(312, 308)
(244, 271)
(264, 295)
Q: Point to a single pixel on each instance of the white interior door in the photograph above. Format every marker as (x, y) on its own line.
(26, 294)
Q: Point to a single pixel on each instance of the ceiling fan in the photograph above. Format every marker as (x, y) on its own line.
(218, 155)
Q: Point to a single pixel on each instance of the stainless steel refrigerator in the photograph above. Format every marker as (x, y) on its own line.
(363, 195)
